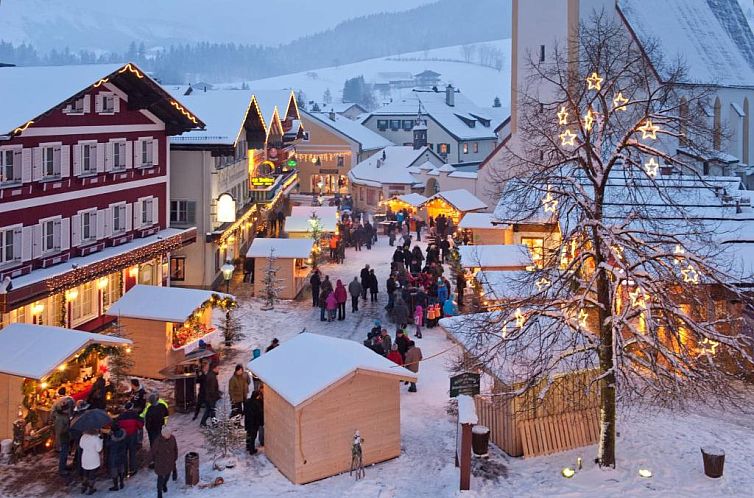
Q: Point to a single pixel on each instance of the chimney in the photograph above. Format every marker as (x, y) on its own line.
(332, 114)
(450, 96)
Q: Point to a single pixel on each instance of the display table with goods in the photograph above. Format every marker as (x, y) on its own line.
(45, 359)
(167, 323)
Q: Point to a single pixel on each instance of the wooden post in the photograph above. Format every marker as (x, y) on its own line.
(465, 457)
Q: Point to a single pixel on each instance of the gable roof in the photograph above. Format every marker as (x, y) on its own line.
(269, 100)
(164, 304)
(495, 256)
(480, 221)
(284, 248)
(712, 37)
(394, 169)
(28, 93)
(461, 199)
(37, 350)
(412, 199)
(354, 130)
(307, 364)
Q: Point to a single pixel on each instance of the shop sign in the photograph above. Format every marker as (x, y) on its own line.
(465, 383)
(226, 208)
(262, 181)
(329, 172)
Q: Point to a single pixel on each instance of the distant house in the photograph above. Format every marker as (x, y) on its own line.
(427, 78)
(387, 81)
(350, 110)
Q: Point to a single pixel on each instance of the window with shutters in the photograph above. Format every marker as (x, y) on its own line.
(119, 218)
(146, 211)
(77, 107)
(10, 244)
(118, 156)
(10, 165)
(50, 162)
(182, 212)
(51, 234)
(146, 153)
(88, 159)
(89, 225)
(83, 307)
(108, 103)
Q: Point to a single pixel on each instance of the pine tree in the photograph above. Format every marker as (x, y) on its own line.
(120, 358)
(223, 434)
(327, 97)
(271, 282)
(231, 328)
(316, 233)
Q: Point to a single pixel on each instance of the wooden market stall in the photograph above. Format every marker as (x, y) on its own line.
(454, 204)
(166, 323)
(495, 288)
(494, 257)
(410, 202)
(318, 391)
(37, 360)
(478, 229)
(300, 227)
(291, 261)
(524, 420)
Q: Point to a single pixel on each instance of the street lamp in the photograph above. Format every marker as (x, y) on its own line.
(227, 270)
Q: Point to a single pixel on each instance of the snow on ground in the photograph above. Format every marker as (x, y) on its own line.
(479, 83)
(666, 443)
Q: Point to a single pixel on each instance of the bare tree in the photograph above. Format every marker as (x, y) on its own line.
(637, 275)
(468, 51)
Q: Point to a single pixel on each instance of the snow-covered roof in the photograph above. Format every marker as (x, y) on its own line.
(321, 211)
(504, 285)
(374, 171)
(368, 139)
(479, 221)
(461, 199)
(464, 120)
(494, 256)
(223, 113)
(309, 363)
(284, 248)
(712, 37)
(164, 304)
(269, 100)
(412, 199)
(34, 351)
(303, 224)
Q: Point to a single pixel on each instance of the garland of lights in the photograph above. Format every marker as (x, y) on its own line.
(326, 156)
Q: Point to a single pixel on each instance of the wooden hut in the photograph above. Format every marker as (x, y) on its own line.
(454, 204)
(300, 227)
(291, 261)
(318, 391)
(494, 257)
(35, 364)
(533, 422)
(165, 324)
(411, 202)
(478, 229)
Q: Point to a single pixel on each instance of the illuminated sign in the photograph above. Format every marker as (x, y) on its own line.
(262, 181)
(292, 163)
(226, 209)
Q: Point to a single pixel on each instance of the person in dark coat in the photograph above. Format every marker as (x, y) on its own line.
(364, 274)
(164, 454)
(400, 313)
(201, 379)
(138, 396)
(391, 286)
(355, 290)
(213, 394)
(445, 249)
(460, 286)
(326, 286)
(115, 448)
(253, 420)
(368, 235)
(402, 341)
(62, 424)
(398, 256)
(154, 417)
(131, 424)
(316, 282)
(373, 286)
(96, 398)
(323, 304)
(81, 407)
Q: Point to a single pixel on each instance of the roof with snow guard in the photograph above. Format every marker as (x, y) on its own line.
(480, 221)
(461, 199)
(711, 37)
(357, 132)
(394, 169)
(495, 256)
(37, 350)
(306, 365)
(464, 120)
(164, 304)
(284, 248)
(50, 87)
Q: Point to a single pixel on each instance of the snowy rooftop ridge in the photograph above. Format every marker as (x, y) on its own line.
(284, 248)
(354, 130)
(394, 169)
(480, 221)
(302, 367)
(165, 304)
(461, 199)
(495, 256)
(223, 113)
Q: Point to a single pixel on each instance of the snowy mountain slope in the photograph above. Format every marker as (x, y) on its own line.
(479, 83)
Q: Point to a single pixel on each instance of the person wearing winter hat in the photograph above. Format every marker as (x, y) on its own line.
(133, 426)
(164, 454)
(116, 448)
(155, 416)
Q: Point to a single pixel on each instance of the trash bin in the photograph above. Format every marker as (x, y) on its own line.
(192, 468)
(480, 440)
(714, 461)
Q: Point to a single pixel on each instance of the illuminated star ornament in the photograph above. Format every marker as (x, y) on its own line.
(583, 315)
(690, 275)
(594, 82)
(520, 318)
(588, 120)
(550, 203)
(542, 284)
(619, 102)
(649, 130)
(563, 116)
(710, 346)
(651, 167)
(638, 298)
(679, 252)
(567, 138)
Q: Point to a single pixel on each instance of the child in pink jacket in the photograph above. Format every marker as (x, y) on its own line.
(419, 320)
(331, 303)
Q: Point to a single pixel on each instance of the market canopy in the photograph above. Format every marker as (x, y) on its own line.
(413, 199)
(165, 304)
(308, 364)
(462, 200)
(34, 351)
(495, 256)
(284, 248)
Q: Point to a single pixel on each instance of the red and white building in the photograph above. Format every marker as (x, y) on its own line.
(84, 184)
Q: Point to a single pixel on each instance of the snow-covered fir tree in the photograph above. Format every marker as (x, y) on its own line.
(120, 359)
(316, 233)
(271, 282)
(224, 434)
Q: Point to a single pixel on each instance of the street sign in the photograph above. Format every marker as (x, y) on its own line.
(465, 383)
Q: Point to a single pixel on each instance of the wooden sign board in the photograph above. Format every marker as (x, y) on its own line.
(465, 383)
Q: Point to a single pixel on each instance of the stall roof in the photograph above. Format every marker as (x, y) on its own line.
(321, 211)
(412, 199)
(480, 221)
(504, 285)
(302, 224)
(491, 256)
(284, 248)
(461, 199)
(306, 365)
(34, 351)
(165, 304)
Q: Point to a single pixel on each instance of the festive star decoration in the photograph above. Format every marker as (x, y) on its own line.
(550, 203)
(583, 315)
(595, 82)
(638, 298)
(619, 102)
(505, 330)
(679, 252)
(651, 167)
(588, 120)
(520, 318)
(563, 116)
(710, 346)
(542, 284)
(690, 275)
(567, 138)
(618, 252)
(649, 130)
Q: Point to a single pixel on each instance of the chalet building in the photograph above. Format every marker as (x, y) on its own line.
(331, 146)
(210, 187)
(84, 185)
(350, 110)
(458, 130)
(284, 130)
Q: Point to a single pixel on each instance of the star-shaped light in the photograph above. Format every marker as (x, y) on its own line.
(619, 102)
(505, 330)
(638, 298)
(542, 284)
(690, 275)
(588, 120)
(595, 82)
(583, 315)
(550, 203)
(679, 252)
(651, 167)
(710, 346)
(567, 138)
(649, 130)
(563, 116)
(520, 318)
(618, 250)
